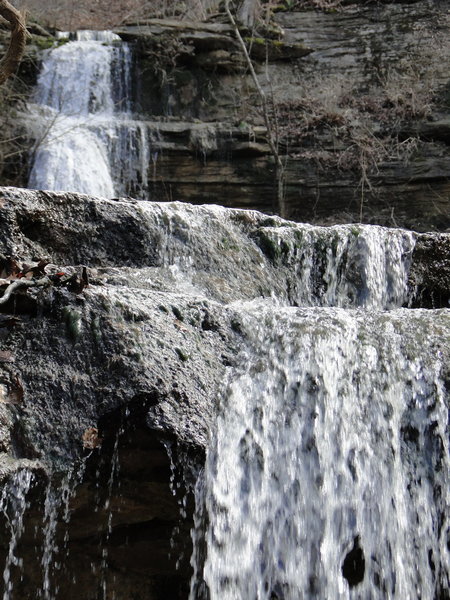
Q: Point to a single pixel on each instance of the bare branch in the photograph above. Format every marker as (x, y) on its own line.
(271, 135)
(22, 283)
(16, 48)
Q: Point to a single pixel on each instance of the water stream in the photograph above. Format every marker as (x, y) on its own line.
(330, 441)
(87, 139)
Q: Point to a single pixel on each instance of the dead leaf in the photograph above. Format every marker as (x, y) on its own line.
(9, 267)
(9, 321)
(90, 438)
(11, 392)
(16, 391)
(6, 356)
(181, 326)
(76, 283)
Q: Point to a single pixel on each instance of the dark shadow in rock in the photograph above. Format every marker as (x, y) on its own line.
(354, 565)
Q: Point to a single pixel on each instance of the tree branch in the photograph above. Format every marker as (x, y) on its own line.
(16, 48)
(22, 283)
(271, 136)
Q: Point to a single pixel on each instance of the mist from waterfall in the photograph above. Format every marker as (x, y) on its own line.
(87, 139)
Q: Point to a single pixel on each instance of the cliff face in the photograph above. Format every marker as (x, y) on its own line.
(99, 381)
(358, 102)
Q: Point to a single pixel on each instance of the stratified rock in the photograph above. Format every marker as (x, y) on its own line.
(385, 58)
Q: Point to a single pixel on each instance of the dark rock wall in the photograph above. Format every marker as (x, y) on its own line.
(360, 109)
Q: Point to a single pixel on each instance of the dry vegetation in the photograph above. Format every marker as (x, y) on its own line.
(340, 127)
(103, 14)
(13, 143)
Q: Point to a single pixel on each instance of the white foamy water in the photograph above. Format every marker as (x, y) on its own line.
(331, 439)
(87, 140)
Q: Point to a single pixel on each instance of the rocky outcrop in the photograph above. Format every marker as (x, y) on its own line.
(162, 277)
(101, 384)
(359, 106)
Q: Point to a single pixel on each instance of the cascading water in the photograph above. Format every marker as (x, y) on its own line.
(327, 473)
(327, 476)
(87, 140)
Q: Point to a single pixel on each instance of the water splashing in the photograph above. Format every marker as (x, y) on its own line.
(13, 504)
(329, 463)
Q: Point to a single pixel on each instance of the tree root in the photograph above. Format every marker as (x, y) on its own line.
(16, 48)
(22, 283)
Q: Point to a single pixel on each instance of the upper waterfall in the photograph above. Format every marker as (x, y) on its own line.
(76, 79)
(87, 140)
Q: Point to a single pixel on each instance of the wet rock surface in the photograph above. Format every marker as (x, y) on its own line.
(140, 355)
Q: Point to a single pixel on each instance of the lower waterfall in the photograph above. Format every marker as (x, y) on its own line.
(236, 407)
(327, 476)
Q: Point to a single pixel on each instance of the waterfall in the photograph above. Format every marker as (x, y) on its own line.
(327, 471)
(87, 140)
(330, 442)
(275, 368)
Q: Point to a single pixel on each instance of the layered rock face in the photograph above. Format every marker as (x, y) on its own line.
(109, 390)
(359, 107)
(358, 102)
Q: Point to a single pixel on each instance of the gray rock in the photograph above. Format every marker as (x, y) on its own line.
(139, 357)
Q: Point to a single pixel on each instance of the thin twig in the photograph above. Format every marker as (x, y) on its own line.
(22, 283)
(271, 138)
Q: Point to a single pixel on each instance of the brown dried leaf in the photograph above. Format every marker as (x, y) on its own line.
(16, 391)
(9, 267)
(9, 321)
(91, 439)
(11, 392)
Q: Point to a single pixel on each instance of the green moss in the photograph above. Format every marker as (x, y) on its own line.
(261, 48)
(73, 321)
(182, 354)
(298, 239)
(269, 222)
(269, 246)
(96, 329)
(45, 43)
(255, 40)
(227, 244)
